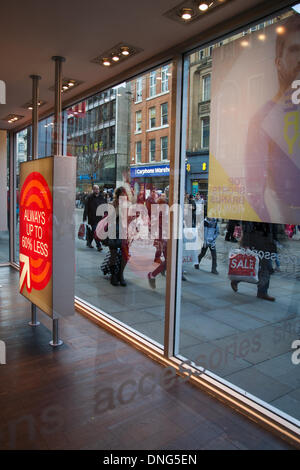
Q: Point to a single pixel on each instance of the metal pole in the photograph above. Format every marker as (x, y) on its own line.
(55, 339)
(35, 140)
(35, 115)
(57, 131)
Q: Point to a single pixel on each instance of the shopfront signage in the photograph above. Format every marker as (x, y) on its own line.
(47, 195)
(35, 233)
(149, 171)
(36, 219)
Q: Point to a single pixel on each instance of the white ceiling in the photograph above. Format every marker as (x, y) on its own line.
(32, 31)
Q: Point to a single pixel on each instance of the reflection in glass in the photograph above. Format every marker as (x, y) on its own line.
(122, 152)
(239, 309)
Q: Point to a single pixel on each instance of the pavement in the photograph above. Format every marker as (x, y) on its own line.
(243, 340)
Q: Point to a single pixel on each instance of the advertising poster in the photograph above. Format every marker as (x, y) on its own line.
(255, 126)
(36, 210)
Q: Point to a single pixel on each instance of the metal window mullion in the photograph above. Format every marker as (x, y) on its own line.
(175, 150)
(12, 199)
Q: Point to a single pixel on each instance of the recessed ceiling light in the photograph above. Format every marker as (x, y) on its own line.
(115, 58)
(203, 5)
(65, 87)
(106, 62)
(262, 37)
(30, 107)
(125, 50)
(10, 118)
(71, 83)
(186, 13)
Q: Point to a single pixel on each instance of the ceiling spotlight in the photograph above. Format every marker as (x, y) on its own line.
(186, 13)
(203, 5)
(65, 87)
(71, 83)
(125, 50)
(115, 58)
(30, 107)
(106, 62)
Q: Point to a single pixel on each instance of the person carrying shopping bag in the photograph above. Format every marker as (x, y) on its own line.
(211, 232)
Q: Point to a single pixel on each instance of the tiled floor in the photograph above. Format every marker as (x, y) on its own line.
(96, 392)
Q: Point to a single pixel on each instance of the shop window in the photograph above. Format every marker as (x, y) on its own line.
(243, 179)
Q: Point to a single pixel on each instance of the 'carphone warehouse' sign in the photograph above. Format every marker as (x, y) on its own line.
(148, 171)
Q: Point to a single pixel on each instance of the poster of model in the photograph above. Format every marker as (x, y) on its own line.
(255, 126)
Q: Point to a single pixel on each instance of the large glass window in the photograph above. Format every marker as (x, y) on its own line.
(128, 168)
(5, 197)
(23, 152)
(238, 285)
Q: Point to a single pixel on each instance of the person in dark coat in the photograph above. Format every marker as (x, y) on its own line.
(95, 199)
(260, 237)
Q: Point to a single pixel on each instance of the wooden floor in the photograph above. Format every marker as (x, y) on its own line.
(96, 392)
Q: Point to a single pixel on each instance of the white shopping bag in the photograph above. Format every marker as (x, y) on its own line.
(192, 244)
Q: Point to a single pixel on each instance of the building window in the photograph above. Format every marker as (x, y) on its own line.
(206, 87)
(152, 118)
(138, 121)
(112, 137)
(164, 114)
(152, 90)
(205, 132)
(164, 79)
(152, 150)
(138, 152)
(164, 148)
(139, 88)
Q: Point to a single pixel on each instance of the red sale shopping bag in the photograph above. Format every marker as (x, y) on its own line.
(243, 266)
